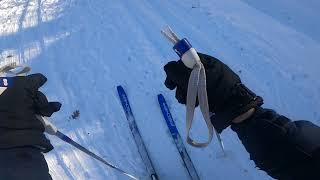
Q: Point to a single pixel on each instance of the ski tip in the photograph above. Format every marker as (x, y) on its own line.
(120, 88)
(160, 97)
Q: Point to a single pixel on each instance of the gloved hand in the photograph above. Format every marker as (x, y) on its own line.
(21, 101)
(227, 96)
(41, 105)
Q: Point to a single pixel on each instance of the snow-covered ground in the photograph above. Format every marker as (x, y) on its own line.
(88, 47)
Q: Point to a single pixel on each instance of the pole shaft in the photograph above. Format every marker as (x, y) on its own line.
(83, 149)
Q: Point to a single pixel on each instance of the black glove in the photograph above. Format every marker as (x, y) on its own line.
(22, 101)
(41, 105)
(227, 96)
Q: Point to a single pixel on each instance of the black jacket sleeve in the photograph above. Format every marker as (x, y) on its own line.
(317, 157)
(20, 102)
(286, 150)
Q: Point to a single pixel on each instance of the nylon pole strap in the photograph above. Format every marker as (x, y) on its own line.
(197, 88)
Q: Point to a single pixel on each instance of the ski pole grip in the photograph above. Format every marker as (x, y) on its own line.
(183, 48)
(187, 53)
(49, 127)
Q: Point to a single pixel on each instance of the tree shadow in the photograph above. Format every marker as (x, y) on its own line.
(28, 42)
(23, 15)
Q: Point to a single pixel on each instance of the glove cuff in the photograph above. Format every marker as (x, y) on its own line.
(239, 102)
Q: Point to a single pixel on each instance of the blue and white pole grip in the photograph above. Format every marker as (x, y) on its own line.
(187, 53)
(183, 48)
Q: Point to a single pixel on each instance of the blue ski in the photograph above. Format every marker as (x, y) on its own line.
(136, 134)
(177, 138)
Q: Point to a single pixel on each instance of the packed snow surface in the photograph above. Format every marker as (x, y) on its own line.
(88, 47)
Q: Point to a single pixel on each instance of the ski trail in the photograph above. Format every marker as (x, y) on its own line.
(288, 16)
(59, 170)
(93, 82)
(87, 48)
(143, 13)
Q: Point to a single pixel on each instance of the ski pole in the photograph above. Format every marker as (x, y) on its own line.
(196, 86)
(52, 130)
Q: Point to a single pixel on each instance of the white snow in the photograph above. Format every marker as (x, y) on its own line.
(88, 47)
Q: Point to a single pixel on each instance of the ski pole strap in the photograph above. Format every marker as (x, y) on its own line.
(197, 88)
